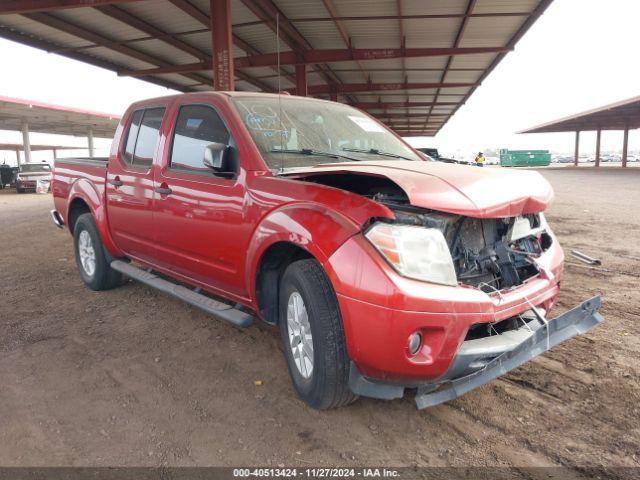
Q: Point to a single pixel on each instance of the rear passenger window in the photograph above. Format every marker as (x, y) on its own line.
(196, 127)
(148, 137)
(132, 135)
(142, 137)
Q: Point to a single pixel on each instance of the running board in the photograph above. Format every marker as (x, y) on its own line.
(220, 310)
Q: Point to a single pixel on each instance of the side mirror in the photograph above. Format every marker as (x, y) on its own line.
(215, 157)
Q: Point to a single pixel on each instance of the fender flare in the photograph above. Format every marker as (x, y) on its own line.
(313, 227)
(84, 190)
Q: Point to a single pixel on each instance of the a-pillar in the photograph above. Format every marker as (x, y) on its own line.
(90, 142)
(26, 144)
(598, 134)
(223, 73)
(301, 80)
(577, 153)
(625, 146)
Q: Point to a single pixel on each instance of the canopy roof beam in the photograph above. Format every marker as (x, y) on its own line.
(80, 32)
(8, 34)
(195, 13)
(463, 26)
(373, 87)
(9, 7)
(312, 57)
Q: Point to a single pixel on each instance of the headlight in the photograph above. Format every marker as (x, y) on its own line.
(415, 252)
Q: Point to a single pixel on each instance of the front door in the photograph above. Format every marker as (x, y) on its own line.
(198, 215)
(129, 186)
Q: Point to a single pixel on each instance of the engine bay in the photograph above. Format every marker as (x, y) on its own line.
(490, 254)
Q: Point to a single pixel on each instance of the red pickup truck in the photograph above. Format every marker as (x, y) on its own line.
(384, 271)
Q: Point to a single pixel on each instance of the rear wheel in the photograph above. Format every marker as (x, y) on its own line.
(91, 258)
(313, 336)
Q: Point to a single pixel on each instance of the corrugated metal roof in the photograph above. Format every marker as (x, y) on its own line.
(621, 115)
(47, 118)
(174, 38)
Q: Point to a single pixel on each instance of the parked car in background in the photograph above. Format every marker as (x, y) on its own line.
(383, 271)
(433, 153)
(33, 176)
(565, 159)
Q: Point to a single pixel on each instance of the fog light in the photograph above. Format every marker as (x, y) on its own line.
(415, 342)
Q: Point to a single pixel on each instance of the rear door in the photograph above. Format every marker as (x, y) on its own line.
(199, 219)
(130, 183)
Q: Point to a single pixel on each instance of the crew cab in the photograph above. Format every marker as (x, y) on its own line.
(384, 272)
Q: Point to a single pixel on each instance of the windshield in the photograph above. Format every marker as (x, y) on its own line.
(35, 167)
(295, 132)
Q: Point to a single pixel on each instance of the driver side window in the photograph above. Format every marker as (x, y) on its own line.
(196, 127)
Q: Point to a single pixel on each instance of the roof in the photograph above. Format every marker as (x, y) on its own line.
(47, 118)
(35, 148)
(615, 116)
(411, 63)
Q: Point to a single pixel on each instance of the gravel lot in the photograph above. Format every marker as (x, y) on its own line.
(131, 377)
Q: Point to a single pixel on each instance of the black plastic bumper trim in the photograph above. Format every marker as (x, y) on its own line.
(575, 322)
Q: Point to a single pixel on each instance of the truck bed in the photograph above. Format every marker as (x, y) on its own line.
(68, 171)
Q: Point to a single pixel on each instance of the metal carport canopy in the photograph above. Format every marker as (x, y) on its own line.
(36, 148)
(623, 115)
(417, 57)
(29, 116)
(46, 118)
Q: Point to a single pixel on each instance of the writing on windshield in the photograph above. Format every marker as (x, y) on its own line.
(300, 125)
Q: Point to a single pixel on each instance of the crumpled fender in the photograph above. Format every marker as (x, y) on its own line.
(311, 226)
(87, 191)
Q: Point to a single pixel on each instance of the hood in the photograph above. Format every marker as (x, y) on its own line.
(459, 189)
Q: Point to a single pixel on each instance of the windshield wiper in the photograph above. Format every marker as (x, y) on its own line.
(306, 151)
(375, 151)
(315, 153)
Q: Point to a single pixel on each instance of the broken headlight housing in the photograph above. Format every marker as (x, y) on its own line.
(415, 252)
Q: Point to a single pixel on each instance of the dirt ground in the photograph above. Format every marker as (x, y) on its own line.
(131, 377)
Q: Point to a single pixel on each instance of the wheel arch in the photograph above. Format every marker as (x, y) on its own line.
(273, 263)
(84, 197)
(285, 235)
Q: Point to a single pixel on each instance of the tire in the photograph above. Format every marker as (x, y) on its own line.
(87, 240)
(19, 190)
(326, 384)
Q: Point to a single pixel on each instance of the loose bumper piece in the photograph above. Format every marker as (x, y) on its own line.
(518, 347)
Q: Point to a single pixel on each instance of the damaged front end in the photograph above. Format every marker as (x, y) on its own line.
(491, 254)
(507, 256)
(481, 360)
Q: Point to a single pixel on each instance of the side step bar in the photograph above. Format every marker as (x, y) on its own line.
(220, 310)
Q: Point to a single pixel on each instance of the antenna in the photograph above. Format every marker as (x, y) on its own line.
(279, 93)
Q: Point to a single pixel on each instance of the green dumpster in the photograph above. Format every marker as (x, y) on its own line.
(524, 158)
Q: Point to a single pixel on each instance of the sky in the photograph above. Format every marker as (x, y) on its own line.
(579, 55)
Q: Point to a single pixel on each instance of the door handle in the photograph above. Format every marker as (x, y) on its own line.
(163, 190)
(116, 182)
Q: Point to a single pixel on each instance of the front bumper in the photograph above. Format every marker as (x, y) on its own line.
(381, 310)
(482, 360)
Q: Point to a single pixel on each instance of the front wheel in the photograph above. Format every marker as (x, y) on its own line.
(91, 258)
(313, 336)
